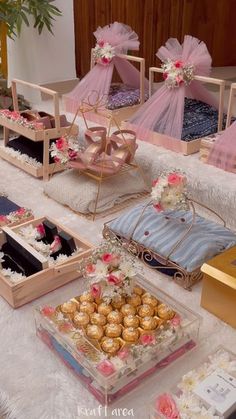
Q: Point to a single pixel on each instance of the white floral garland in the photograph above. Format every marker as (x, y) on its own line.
(169, 191)
(176, 73)
(103, 52)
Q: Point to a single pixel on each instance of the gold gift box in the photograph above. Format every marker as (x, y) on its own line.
(219, 286)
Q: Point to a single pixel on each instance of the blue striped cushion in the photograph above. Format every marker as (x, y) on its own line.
(158, 233)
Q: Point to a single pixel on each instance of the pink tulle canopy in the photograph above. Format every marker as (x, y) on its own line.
(223, 152)
(164, 111)
(122, 38)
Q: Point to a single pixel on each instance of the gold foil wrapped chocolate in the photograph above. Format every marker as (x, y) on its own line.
(113, 330)
(81, 319)
(165, 312)
(131, 321)
(130, 334)
(110, 346)
(148, 323)
(87, 307)
(115, 316)
(127, 309)
(69, 307)
(145, 310)
(138, 290)
(86, 297)
(97, 318)
(149, 299)
(104, 309)
(94, 331)
(134, 300)
(118, 302)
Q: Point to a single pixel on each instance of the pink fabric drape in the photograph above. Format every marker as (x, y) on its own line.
(164, 111)
(98, 79)
(223, 152)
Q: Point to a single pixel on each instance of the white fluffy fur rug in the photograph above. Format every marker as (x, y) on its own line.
(33, 383)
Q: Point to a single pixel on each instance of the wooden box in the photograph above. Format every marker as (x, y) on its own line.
(174, 144)
(120, 114)
(219, 286)
(7, 208)
(35, 135)
(49, 277)
(206, 146)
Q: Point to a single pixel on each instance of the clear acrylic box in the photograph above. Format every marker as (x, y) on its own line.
(109, 378)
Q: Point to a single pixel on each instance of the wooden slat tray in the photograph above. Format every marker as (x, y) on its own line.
(48, 279)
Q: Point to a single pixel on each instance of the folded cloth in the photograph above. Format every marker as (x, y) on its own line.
(79, 192)
(160, 232)
(121, 95)
(30, 148)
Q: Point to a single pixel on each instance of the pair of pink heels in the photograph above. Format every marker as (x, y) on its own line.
(106, 155)
(44, 118)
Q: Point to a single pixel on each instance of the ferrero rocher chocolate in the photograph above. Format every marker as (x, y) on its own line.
(110, 345)
(130, 334)
(94, 331)
(134, 300)
(81, 319)
(138, 290)
(118, 302)
(127, 309)
(113, 330)
(148, 323)
(145, 310)
(69, 307)
(149, 299)
(98, 300)
(104, 309)
(86, 297)
(165, 312)
(115, 316)
(87, 307)
(131, 321)
(97, 318)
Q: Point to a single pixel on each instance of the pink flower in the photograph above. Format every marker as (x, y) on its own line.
(165, 75)
(61, 144)
(90, 269)
(21, 211)
(15, 115)
(147, 339)
(56, 245)
(101, 43)
(106, 367)
(40, 230)
(155, 182)
(176, 320)
(179, 79)
(107, 258)
(72, 154)
(175, 179)
(105, 60)
(3, 219)
(113, 279)
(66, 327)
(96, 290)
(37, 125)
(48, 311)
(123, 353)
(178, 64)
(56, 159)
(166, 405)
(158, 207)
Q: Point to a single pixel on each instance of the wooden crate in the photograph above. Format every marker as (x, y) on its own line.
(49, 278)
(44, 135)
(120, 114)
(174, 144)
(206, 146)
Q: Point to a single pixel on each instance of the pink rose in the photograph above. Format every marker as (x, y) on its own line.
(101, 43)
(165, 75)
(106, 367)
(3, 219)
(179, 79)
(158, 207)
(175, 179)
(96, 290)
(90, 269)
(40, 230)
(123, 353)
(72, 154)
(56, 245)
(61, 144)
(107, 258)
(147, 339)
(178, 64)
(15, 115)
(155, 182)
(166, 405)
(21, 211)
(48, 311)
(176, 320)
(105, 60)
(113, 279)
(56, 159)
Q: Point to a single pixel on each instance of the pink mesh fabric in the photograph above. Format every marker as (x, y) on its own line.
(98, 79)
(223, 152)
(163, 112)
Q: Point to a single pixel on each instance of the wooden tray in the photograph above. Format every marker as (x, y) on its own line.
(49, 278)
(44, 135)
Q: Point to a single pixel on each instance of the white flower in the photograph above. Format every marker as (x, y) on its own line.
(13, 276)
(189, 381)
(221, 359)
(118, 363)
(101, 270)
(1, 257)
(187, 404)
(127, 269)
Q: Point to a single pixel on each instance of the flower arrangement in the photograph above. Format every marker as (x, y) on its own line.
(183, 403)
(14, 216)
(103, 52)
(16, 117)
(64, 150)
(176, 73)
(169, 191)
